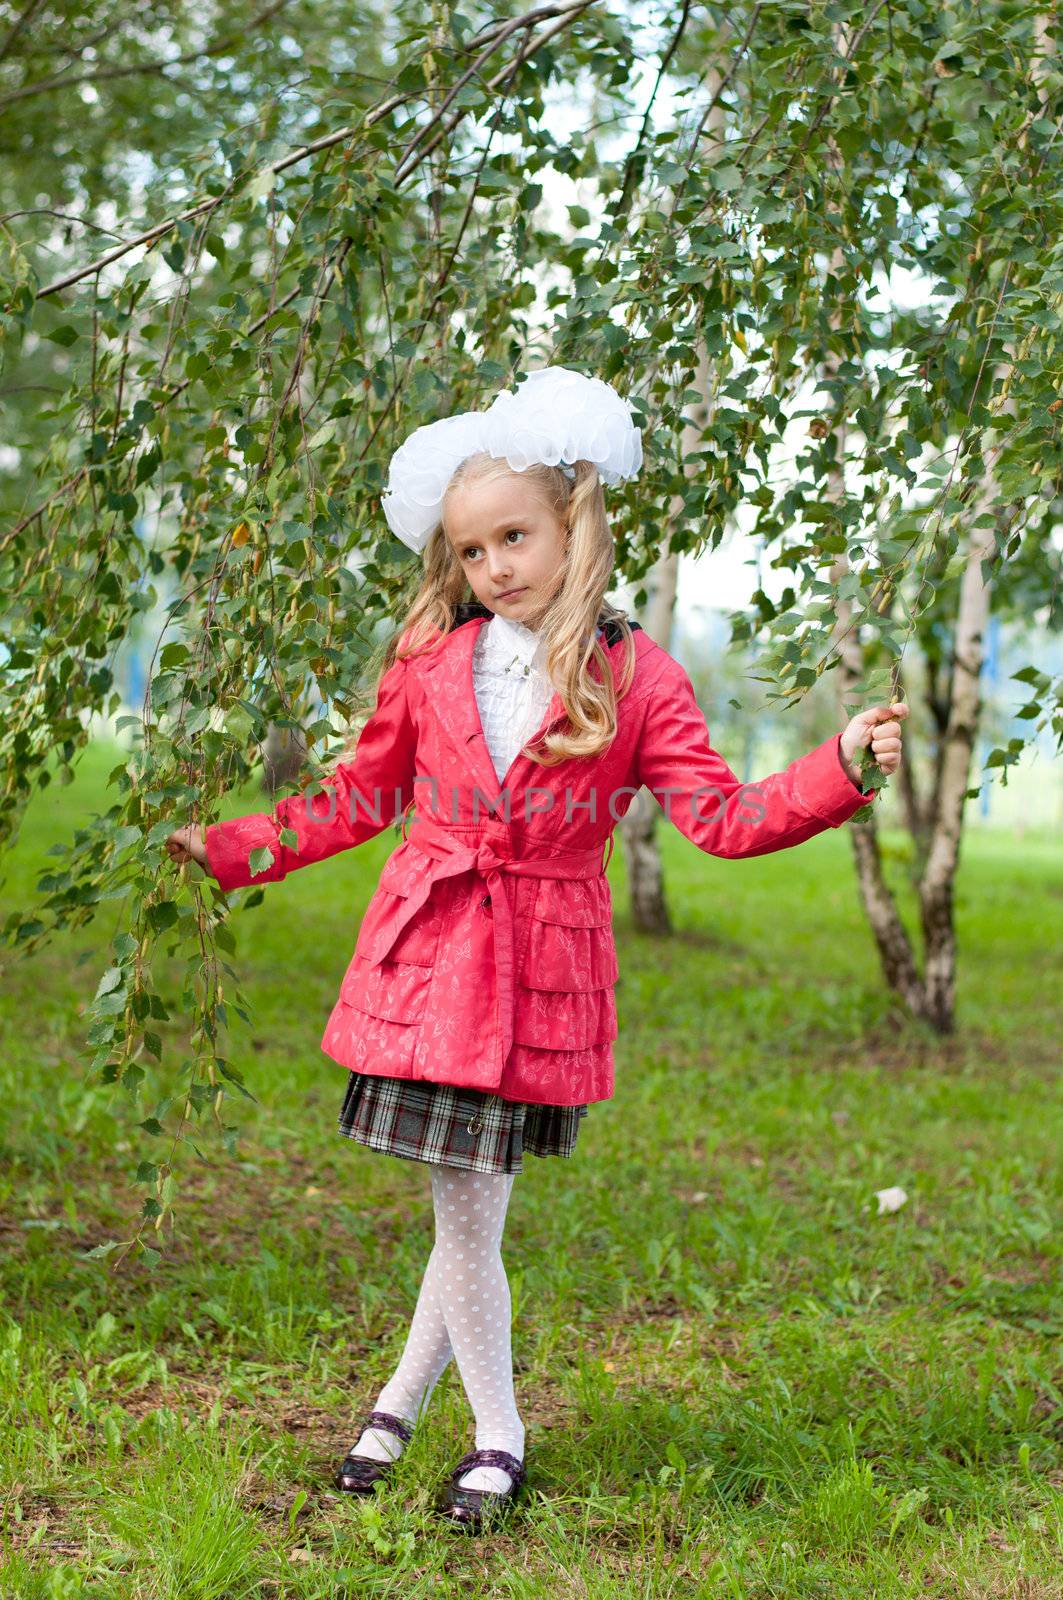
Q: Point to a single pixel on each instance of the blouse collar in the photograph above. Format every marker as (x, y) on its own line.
(506, 638)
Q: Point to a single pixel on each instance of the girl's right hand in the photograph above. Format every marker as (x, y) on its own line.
(189, 844)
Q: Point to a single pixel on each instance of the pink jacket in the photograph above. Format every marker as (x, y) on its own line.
(486, 957)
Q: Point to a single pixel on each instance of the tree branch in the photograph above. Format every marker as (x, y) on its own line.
(130, 69)
(567, 14)
(26, 17)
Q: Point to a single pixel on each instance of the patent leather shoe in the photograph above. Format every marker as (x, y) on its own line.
(475, 1509)
(359, 1474)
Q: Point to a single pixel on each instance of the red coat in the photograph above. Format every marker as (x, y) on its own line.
(486, 957)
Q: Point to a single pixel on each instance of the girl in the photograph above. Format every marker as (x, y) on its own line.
(476, 1018)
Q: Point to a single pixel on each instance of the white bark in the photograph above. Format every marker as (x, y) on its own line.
(638, 828)
(931, 995)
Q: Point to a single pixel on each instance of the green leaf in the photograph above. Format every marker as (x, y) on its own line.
(236, 1078)
(323, 435)
(263, 184)
(162, 915)
(119, 892)
(260, 860)
(725, 177)
(148, 464)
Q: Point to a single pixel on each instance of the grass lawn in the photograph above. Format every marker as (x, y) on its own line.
(738, 1379)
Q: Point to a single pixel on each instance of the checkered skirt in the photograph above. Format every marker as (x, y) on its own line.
(442, 1123)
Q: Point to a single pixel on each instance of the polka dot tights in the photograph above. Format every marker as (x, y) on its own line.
(463, 1309)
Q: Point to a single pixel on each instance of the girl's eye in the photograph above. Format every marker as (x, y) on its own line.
(469, 548)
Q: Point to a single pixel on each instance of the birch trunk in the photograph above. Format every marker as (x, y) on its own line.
(937, 826)
(638, 828)
(894, 947)
(283, 754)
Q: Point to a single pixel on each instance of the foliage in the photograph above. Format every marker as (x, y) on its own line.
(311, 270)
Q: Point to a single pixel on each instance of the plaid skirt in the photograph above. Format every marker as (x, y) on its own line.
(455, 1127)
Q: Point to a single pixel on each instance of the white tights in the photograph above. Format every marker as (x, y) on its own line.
(463, 1309)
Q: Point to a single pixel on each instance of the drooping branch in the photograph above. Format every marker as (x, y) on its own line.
(411, 157)
(130, 69)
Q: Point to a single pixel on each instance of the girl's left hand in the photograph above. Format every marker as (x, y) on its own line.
(881, 728)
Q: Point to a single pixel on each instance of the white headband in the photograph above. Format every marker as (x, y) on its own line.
(555, 415)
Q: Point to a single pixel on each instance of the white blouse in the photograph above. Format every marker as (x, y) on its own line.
(512, 689)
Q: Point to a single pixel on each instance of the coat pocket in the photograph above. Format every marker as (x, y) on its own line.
(418, 941)
(394, 990)
(569, 967)
(570, 943)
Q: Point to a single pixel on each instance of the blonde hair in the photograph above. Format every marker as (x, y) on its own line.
(567, 619)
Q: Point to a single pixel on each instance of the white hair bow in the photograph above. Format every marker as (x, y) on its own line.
(555, 416)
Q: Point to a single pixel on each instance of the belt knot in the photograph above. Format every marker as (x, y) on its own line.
(488, 858)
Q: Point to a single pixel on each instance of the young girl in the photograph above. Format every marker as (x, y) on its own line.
(477, 1017)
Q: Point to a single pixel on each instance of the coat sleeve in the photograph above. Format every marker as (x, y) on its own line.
(357, 801)
(703, 797)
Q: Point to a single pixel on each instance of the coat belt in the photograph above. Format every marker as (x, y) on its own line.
(451, 853)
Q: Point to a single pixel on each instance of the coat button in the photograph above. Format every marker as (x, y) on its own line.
(486, 901)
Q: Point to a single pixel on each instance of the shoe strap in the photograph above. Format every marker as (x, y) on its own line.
(389, 1424)
(490, 1458)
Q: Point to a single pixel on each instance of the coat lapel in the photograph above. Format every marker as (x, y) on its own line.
(447, 674)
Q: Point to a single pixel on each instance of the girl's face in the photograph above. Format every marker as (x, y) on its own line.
(507, 538)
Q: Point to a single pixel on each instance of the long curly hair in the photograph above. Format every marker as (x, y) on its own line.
(566, 620)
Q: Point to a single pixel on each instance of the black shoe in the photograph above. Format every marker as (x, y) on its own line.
(475, 1509)
(358, 1474)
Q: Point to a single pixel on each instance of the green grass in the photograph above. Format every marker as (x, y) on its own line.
(737, 1379)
